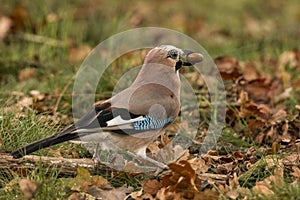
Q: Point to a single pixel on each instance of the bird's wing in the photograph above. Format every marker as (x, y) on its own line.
(148, 107)
(116, 117)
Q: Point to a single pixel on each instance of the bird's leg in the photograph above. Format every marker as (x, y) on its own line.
(95, 155)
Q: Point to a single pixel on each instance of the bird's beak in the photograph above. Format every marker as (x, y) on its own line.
(190, 58)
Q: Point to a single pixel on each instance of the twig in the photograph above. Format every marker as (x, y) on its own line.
(43, 40)
(61, 95)
(65, 167)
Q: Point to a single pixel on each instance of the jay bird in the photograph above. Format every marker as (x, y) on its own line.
(134, 117)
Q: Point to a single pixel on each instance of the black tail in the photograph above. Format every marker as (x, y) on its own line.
(43, 143)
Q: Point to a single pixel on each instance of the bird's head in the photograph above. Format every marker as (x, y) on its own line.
(171, 56)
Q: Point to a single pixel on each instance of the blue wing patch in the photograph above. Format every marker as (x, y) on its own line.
(149, 123)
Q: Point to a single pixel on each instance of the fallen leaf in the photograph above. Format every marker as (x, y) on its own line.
(166, 194)
(198, 165)
(229, 67)
(153, 147)
(207, 194)
(78, 54)
(74, 196)
(83, 181)
(20, 19)
(261, 187)
(195, 78)
(224, 168)
(289, 58)
(26, 74)
(256, 27)
(250, 109)
(151, 186)
(25, 102)
(250, 71)
(291, 159)
(232, 194)
(112, 194)
(286, 94)
(296, 172)
(259, 90)
(5, 24)
(145, 196)
(234, 182)
(135, 194)
(29, 188)
(278, 117)
(181, 180)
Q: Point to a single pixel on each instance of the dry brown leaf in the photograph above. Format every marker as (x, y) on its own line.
(5, 24)
(250, 71)
(37, 95)
(146, 196)
(257, 89)
(196, 78)
(234, 182)
(136, 194)
(112, 194)
(284, 95)
(206, 194)
(232, 194)
(278, 117)
(261, 187)
(198, 165)
(250, 109)
(229, 67)
(165, 194)
(25, 102)
(180, 182)
(151, 186)
(78, 54)
(256, 27)
(291, 159)
(74, 196)
(29, 188)
(296, 172)
(165, 140)
(84, 181)
(133, 168)
(98, 181)
(265, 186)
(153, 147)
(183, 168)
(290, 58)
(26, 74)
(225, 168)
(296, 84)
(20, 19)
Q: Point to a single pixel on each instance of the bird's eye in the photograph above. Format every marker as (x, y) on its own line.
(172, 54)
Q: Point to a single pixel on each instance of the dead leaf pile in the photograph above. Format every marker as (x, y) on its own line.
(261, 99)
(84, 185)
(181, 182)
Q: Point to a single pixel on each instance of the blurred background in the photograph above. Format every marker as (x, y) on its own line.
(44, 42)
